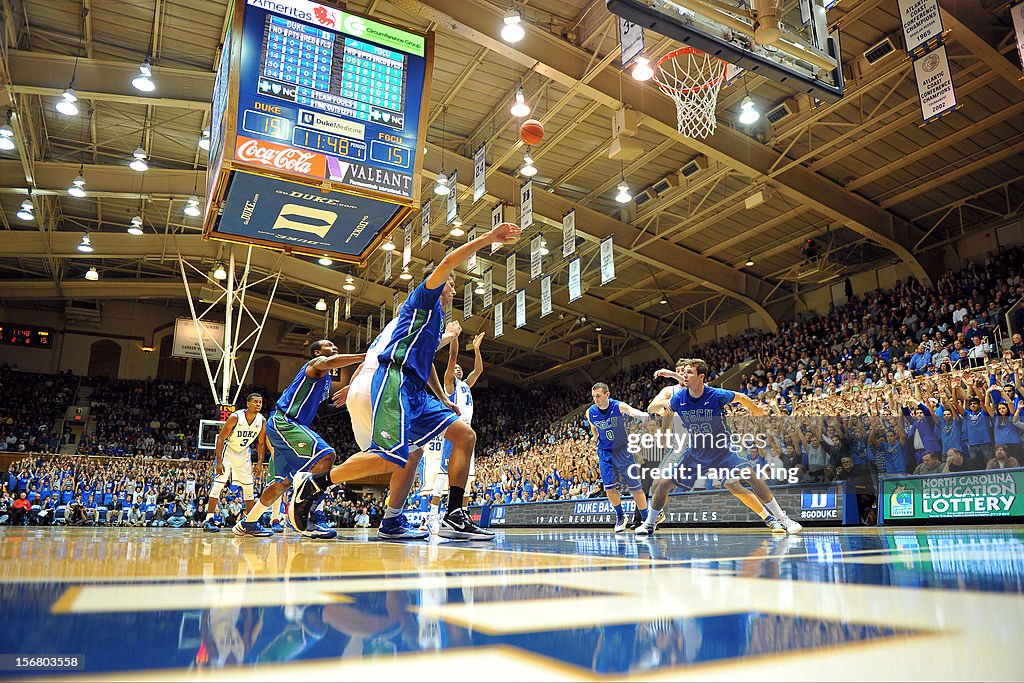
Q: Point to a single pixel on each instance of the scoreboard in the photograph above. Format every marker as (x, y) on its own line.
(26, 335)
(319, 117)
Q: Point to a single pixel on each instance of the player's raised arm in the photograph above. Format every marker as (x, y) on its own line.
(478, 361)
(449, 371)
(324, 364)
(747, 403)
(660, 404)
(504, 233)
(633, 412)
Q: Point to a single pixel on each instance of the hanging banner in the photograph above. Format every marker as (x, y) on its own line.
(369, 328)
(425, 224)
(471, 261)
(453, 198)
(631, 38)
(499, 323)
(407, 249)
(383, 314)
(497, 218)
(449, 307)
(359, 338)
(488, 288)
(607, 260)
(536, 259)
(387, 267)
(395, 303)
(526, 205)
(186, 338)
(335, 314)
(569, 234)
(479, 173)
(348, 306)
(935, 84)
(520, 308)
(922, 24)
(574, 279)
(510, 273)
(545, 295)
(1017, 12)
(467, 301)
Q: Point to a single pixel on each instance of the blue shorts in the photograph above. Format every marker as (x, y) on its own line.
(679, 468)
(616, 465)
(296, 447)
(404, 418)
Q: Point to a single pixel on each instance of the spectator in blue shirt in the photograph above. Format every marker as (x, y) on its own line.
(920, 360)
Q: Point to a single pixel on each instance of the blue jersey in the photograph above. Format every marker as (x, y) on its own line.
(303, 397)
(978, 427)
(611, 426)
(702, 417)
(413, 342)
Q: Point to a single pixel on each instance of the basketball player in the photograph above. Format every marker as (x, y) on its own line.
(296, 447)
(233, 461)
(405, 415)
(700, 409)
(460, 393)
(608, 424)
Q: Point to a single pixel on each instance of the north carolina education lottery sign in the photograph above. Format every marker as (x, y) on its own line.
(984, 494)
(333, 100)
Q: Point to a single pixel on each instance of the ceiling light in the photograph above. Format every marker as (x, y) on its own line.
(144, 81)
(528, 170)
(388, 246)
(77, 188)
(136, 221)
(204, 139)
(748, 114)
(406, 275)
(479, 288)
(349, 285)
(139, 163)
(219, 273)
(6, 136)
(749, 263)
(598, 328)
(85, 246)
(512, 31)
(663, 300)
(66, 105)
(91, 275)
(623, 197)
(321, 305)
(135, 230)
(441, 184)
(642, 70)
(25, 212)
(520, 109)
(192, 207)
(324, 261)
(457, 230)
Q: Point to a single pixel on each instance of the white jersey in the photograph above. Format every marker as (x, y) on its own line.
(244, 434)
(680, 435)
(463, 398)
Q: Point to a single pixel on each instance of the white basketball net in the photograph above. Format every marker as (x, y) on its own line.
(692, 79)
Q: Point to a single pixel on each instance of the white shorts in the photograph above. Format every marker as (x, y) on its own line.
(360, 409)
(237, 467)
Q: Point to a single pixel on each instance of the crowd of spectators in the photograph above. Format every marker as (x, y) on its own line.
(31, 409)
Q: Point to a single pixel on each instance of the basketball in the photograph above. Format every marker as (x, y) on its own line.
(531, 132)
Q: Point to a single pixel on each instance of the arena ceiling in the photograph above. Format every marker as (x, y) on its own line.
(861, 176)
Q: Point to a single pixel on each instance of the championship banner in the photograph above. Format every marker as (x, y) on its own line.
(453, 198)
(348, 306)
(569, 234)
(383, 313)
(935, 84)
(574, 279)
(369, 328)
(186, 339)
(545, 295)
(536, 260)
(499, 323)
(962, 496)
(1017, 12)
(607, 260)
(631, 38)
(448, 311)
(359, 338)
(407, 249)
(520, 308)
(479, 173)
(471, 261)
(497, 218)
(395, 303)
(922, 25)
(488, 287)
(510, 273)
(467, 301)
(336, 314)
(425, 224)
(526, 205)
(387, 267)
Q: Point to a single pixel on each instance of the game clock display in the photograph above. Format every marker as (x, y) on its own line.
(24, 335)
(344, 90)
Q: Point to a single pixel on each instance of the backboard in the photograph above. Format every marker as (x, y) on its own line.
(785, 41)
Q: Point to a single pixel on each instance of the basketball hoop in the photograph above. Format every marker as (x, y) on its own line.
(692, 79)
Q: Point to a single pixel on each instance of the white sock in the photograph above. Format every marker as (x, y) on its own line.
(257, 511)
(652, 515)
(433, 510)
(392, 512)
(773, 507)
(209, 516)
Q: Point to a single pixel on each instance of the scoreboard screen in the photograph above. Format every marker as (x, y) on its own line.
(26, 335)
(331, 95)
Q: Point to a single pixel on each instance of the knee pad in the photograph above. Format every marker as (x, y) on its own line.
(217, 488)
(440, 484)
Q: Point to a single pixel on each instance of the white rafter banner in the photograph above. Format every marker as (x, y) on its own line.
(510, 273)
(497, 218)
(479, 172)
(467, 300)
(536, 258)
(574, 279)
(387, 267)
(425, 224)
(453, 198)
(488, 287)
(520, 308)
(348, 306)
(407, 247)
(499, 322)
(526, 205)
(383, 314)
(569, 234)
(935, 84)
(545, 295)
(607, 260)
(471, 261)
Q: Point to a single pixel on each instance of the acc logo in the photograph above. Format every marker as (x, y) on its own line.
(305, 219)
(353, 25)
(901, 502)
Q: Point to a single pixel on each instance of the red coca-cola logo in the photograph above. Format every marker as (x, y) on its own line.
(282, 158)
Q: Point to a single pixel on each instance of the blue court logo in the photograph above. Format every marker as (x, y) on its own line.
(818, 500)
(497, 513)
(901, 502)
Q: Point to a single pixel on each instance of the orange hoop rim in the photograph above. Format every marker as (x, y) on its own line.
(686, 50)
